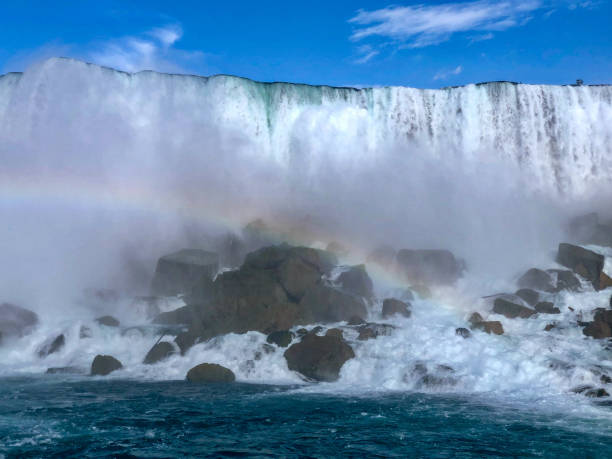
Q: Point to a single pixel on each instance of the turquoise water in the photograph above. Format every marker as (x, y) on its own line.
(91, 418)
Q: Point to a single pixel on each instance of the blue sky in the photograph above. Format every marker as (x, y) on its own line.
(362, 43)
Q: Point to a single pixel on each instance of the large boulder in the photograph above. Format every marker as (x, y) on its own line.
(511, 310)
(601, 326)
(565, 280)
(15, 321)
(586, 263)
(104, 365)
(373, 331)
(355, 280)
(528, 295)
(319, 357)
(186, 315)
(546, 307)
(160, 351)
(323, 303)
(52, 346)
(273, 256)
(210, 373)
(429, 267)
(177, 273)
(536, 279)
(391, 307)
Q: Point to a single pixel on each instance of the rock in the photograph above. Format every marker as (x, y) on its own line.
(429, 267)
(583, 262)
(273, 256)
(297, 277)
(549, 327)
(186, 315)
(391, 307)
(160, 351)
(281, 338)
(104, 365)
(536, 279)
(463, 332)
(108, 321)
(357, 282)
(373, 331)
(316, 330)
(210, 373)
(587, 229)
(546, 307)
(355, 320)
(590, 392)
(15, 321)
(383, 255)
(511, 310)
(185, 340)
(334, 332)
(54, 346)
(597, 330)
(65, 371)
(202, 291)
(319, 357)
(530, 296)
(566, 280)
(178, 272)
(493, 326)
(439, 376)
(257, 233)
(301, 332)
(324, 304)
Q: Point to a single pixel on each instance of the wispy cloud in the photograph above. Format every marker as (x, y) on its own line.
(366, 53)
(152, 50)
(424, 25)
(444, 74)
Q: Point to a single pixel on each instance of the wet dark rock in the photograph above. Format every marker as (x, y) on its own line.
(337, 249)
(601, 326)
(185, 340)
(373, 331)
(356, 281)
(297, 276)
(319, 357)
(316, 330)
(549, 327)
(178, 272)
(581, 389)
(325, 304)
(587, 229)
(273, 256)
(596, 393)
(597, 330)
(605, 379)
(301, 332)
(546, 307)
(104, 365)
(160, 351)
(583, 262)
(463, 332)
(281, 338)
(210, 373)
(566, 280)
(530, 296)
(15, 321)
(391, 307)
(108, 321)
(186, 315)
(65, 371)
(511, 310)
(491, 327)
(52, 347)
(355, 320)
(429, 267)
(334, 332)
(438, 376)
(536, 279)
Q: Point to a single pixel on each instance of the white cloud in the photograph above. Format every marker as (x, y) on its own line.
(154, 50)
(366, 54)
(425, 25)
(444, 74)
